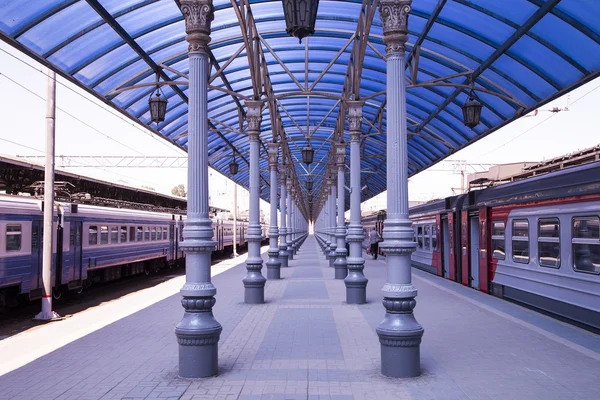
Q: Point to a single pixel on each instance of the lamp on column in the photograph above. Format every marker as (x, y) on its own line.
(300, 17)
(472, 111)
(157, 105)
(233, 167)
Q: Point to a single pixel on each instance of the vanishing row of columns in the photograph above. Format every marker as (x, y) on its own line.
(399, 333)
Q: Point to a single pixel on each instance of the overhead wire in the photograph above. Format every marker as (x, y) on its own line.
(540, 123)
(101, 106)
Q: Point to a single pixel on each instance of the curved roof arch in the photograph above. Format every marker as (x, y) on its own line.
(517, 55)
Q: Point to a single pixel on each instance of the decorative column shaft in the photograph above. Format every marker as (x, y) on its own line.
(340, 264)
(327, 219)
(332, 214)
(198, 332)
(399, 333)
(356, 282)
(283, 254)
(273, 265)
(254, 282)
(290, 228)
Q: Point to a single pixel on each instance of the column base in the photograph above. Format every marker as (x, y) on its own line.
(290, 253)
(356, 287)
(283, 258)
(254, 295)
(198, 337)
(273, 268)
(254, 289)
(341, 267)
(356, 295)
(331, 257)
(400, 338)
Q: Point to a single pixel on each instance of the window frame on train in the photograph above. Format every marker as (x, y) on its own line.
(104, 235)
(15, 236)
(500, 254)
(517, 238)
(589, 241)
(546, 240)
(93, 233)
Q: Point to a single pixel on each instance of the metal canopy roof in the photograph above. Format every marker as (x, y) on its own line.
(519, 54)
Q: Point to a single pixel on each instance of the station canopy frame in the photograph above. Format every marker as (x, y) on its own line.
(516, 54)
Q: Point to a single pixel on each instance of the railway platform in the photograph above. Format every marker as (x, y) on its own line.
(305, 342)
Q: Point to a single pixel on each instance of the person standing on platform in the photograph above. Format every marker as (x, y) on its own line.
(374, 239)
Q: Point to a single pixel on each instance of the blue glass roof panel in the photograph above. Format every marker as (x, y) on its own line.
(104, 53)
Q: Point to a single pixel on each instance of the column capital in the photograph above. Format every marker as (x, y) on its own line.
(340, 154)
(253, 117)
(394, 18)
(273, 151)
(355, 119)
(283, 174)
(198, 15)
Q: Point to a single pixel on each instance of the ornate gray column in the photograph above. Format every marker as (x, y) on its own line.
(327, 219)
(356, 282)
(254, 282)
(294, 222)
(283, 254)
(332, 227)
(198, 332)
(273, 265)
(399, 333)
(340, 264)
(290, 228)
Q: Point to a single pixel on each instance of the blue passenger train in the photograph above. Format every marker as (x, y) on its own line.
(91, 244)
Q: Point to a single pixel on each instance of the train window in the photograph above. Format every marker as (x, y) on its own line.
(114, 234)
(420, 236)
(181, 232)
(93, 235)
(520, 241)
(549, 242)
(153, 234)
(146, 233)
(165, 233)
(498, 242)
(139, 233)
(433, 237)
(104, 235)
(123, 238)
(132, 233)
(427, 239)
(13, 237)
(586, 245)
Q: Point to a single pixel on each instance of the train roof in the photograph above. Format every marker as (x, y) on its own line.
(569, 182)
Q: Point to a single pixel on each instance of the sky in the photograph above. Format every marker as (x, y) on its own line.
(85, 126)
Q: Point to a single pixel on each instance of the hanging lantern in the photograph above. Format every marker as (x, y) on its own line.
(158, 107)
(471, 112)
(308, 154)
(300, 17)
(309, 183)
(233, 167)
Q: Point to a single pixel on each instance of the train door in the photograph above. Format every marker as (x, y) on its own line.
(483, 253)
(464, 248)
(474, 238)
(436, 246)
(75, 242)
(36, 254)
(446, 252)
(172, 236)
(451, 247)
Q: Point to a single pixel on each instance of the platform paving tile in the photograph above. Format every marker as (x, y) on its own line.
(306, 343)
